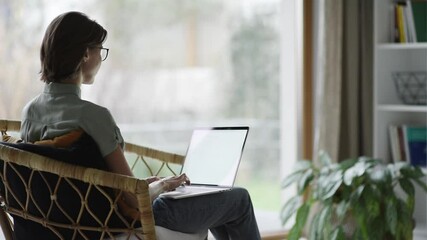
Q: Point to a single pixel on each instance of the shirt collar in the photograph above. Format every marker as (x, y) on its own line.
(62, 88)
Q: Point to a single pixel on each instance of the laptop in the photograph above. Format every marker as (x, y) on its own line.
(212, 160)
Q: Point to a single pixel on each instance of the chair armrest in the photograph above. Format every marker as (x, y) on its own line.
(154, 162)
(154, 153)
(12, 125)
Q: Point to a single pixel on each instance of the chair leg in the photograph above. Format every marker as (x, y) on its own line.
(6, 225)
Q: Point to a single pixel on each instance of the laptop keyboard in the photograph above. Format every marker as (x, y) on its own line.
(196, 189)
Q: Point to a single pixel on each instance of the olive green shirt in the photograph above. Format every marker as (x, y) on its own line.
(60, 109)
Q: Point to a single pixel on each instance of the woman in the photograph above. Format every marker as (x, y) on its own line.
(71, 54)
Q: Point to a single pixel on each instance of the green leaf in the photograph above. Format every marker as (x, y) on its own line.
(407, 186)
(361, 220)
(302, 165)
(292, 178)
(372, 202)
(362, 216)
(376, 228)
(294, 233)
(411, 172)
(405, 223)
(410, 202)
(357, 235)
(394, 169)
(349, 175)
(378, 175)
(324, 219)
(324, 158)
(338, 234)
(356, 171)
(330, 184)
(302, 215)
(419, 172)
(301, 219)
(304, 181)
(391, 216)
(342, 209)
(315, 225)
(388, 177)
(346, 164)
(355, 195)
(290, 208)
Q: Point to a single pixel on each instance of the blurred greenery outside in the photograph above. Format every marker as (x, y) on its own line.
(173, 66)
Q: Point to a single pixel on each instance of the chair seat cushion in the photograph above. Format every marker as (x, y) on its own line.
(167, 234)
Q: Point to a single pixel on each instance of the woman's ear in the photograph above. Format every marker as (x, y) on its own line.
(86, 55)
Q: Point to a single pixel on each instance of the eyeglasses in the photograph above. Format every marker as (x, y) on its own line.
(103, 51)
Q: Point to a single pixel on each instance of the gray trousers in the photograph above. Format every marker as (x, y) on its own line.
(228, 215)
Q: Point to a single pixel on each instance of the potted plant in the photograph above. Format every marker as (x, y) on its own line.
(376, 200)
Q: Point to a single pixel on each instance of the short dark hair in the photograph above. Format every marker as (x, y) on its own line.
(64, 44)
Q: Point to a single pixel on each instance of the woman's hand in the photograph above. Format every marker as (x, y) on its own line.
(171, 183)
(167, 184)
(152, 179)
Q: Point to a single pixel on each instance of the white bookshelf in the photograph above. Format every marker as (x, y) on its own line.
(388, 109)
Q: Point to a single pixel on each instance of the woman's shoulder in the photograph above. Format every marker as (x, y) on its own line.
(92, 109)
(31, 107)
(90, 106)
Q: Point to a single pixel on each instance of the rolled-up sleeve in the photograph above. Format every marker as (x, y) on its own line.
(100, 125)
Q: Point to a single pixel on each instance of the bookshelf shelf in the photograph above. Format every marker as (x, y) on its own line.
(398, 46)
(392, 57)
(401, 108)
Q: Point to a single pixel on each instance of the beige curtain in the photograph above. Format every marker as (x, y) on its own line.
(343, 75)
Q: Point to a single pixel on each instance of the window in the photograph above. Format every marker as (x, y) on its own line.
(172, 66)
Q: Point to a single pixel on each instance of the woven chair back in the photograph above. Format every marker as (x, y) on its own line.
(76, 202)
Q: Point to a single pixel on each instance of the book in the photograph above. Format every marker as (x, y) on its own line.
(398, 148)
(395, 25)
(419, 11)
(410, 22)
(401, 23)
(394, 144)
(401, 141)
(406, 23)
(416, 144)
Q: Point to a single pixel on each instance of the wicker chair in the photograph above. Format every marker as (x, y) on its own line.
(44, 169)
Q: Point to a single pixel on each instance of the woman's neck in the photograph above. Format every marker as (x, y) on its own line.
(77, 79)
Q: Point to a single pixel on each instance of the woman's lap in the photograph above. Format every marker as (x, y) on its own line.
(196, 214)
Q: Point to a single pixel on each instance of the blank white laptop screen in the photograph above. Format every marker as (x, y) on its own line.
(213, 155)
